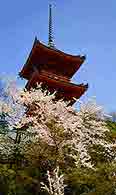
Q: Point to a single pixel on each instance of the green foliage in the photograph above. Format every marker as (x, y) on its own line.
(3, 124)
(112, 127)
(100, 155)
(98, 181)
(7, 179)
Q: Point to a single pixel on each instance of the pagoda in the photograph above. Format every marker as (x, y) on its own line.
(53, 68)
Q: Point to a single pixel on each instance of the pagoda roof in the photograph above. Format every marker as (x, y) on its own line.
(67, 89)
(42, 55)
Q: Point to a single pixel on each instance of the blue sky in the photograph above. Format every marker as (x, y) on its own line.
(80, 27)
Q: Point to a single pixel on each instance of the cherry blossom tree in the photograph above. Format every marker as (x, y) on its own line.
(35, 117)
(34, 110)
(56, 183)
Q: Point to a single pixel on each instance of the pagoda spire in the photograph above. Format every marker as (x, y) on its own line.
(50, 34)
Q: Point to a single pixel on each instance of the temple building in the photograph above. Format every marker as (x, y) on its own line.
(53, 68)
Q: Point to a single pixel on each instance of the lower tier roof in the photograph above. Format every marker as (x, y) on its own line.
(65, 89)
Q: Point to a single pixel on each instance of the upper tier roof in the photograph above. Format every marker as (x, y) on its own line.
(43, 56)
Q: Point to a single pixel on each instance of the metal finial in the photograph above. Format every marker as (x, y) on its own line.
(50, 36)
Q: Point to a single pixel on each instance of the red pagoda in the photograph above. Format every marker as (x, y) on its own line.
(53, 68)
